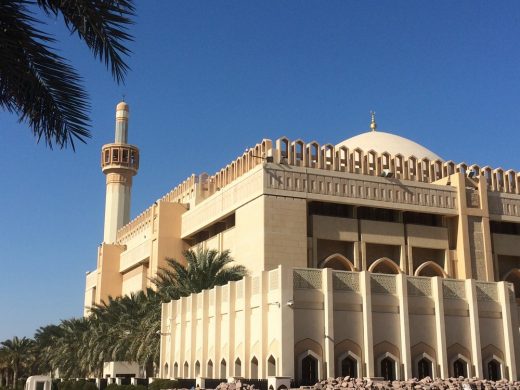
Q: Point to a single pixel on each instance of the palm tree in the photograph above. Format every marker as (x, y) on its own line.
(18, 353)
(204, 269)
(41, 87)
(69, 351)
(45, 339)
(132, 323)
(4, 368)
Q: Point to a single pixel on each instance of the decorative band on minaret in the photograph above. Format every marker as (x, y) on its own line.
(119, 162)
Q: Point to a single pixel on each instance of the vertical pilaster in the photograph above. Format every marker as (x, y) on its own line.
(440, 328)
(205, 333)
(357, 257)
(217, 354)
(328, 320)
(231, 287)
(285, 285)
(509, 331)
(474, 327)
(368, 342)
(404, 325)
(264, 335)
(363, 256)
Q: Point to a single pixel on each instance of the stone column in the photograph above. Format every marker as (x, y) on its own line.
(368, 342)
(328, 320)
(404, 324)
(474, 328)
(509, 331)
(285, 286)
(440, 329)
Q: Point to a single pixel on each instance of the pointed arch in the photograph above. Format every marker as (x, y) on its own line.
(513, 276)
(430, 268)
(337, 262)
(254, 368)
(384, 265)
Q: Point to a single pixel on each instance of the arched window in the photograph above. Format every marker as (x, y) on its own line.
(209, 371)
(337, 262)
(387, 367)
(175, 370)
(271, 366)
(238, 367)
(429, 268)
(513, 276)
(166, 370)
(197, 369)
(254, 368)
(384, 266)
(186, 370)
(309, 370)
(424, 368)
(223, 369)
(349, 367)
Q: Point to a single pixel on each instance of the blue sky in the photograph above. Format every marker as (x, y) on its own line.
(209, 79)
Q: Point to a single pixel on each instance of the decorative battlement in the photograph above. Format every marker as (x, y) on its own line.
(117, 156)
(328, 157)
(138, 224)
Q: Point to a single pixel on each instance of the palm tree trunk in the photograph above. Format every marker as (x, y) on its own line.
(6, 377)
(15, 377)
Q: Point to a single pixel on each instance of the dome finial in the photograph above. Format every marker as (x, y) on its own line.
(373, 124)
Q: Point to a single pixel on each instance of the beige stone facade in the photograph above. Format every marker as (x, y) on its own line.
(310, 324)
(352, 207)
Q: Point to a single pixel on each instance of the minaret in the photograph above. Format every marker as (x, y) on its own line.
(119, 162)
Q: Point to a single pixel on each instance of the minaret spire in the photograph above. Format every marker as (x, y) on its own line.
(119, 162)
(373, 124)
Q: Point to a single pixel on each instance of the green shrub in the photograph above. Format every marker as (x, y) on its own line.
(160, 384)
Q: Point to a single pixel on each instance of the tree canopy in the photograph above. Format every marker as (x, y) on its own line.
(41, 87)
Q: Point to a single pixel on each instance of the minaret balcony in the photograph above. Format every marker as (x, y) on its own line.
(120, 156)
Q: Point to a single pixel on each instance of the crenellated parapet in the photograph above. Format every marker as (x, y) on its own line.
(329, 157)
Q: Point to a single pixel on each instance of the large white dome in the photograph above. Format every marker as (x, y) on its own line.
(385, 142)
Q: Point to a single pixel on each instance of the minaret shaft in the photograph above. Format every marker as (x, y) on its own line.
(119, 162)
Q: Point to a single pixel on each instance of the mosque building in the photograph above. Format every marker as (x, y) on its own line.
(374, 257)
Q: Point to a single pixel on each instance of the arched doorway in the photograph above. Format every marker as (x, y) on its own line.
(223, 369)
(175, 370)
(197, 368)
(387, 367)
(238, 367)
(271, 366)
(309, 370)
(186, 370)
(460, 368)
(254, 368)
(209, 371)
(384, 266)
(166, 370)
(349, 367)
(494, 371)
(424, 368)
(337, 262)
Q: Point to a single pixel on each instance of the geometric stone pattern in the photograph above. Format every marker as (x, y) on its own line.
(453, 289)
(345, 281)
(476, 248)
(487, 291)
(420, 287)
(382, 284)
(306, 279)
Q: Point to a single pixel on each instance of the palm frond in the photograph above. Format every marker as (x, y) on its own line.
(37, 84)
